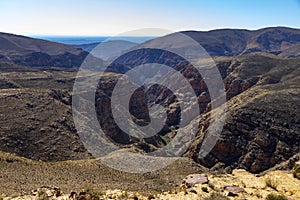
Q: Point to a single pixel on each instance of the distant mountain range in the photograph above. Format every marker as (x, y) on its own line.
(234, 42)
(35, 52)
(109, 48)
(27, 51)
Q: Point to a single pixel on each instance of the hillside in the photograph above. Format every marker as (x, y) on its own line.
(183, 179)
(293, 51)
(35, 52)
(262, 128)
(233, 42)
(21, 174)
(224, 42)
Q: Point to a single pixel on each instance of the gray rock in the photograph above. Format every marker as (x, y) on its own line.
(194, 179)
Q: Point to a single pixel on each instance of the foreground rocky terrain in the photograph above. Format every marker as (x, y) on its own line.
(21, 175)
(240, 184)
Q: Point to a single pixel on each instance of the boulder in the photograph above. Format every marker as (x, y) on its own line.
(194, 179)
(233, 190)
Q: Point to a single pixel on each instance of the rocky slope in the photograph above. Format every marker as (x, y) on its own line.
(233, 42)
(262, 92)
(240, 184)
(261, 128)
(42, 127)
(36, 118)
(291, 52)
(21, 175)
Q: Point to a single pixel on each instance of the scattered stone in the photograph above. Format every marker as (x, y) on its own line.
(47, 191)
(233, 190)
(84, 196)
(230, 194)
(73, 195)
(193, 191)
(194, 179)
(235, 186)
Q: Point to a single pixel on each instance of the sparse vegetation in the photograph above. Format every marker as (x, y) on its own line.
(150, 197)
(271, 183)
(42, 195)
(95, 195)
(89, 174)
(276, 197)
(212, 186)
(165, 139)
(204, 189)
(216, 196)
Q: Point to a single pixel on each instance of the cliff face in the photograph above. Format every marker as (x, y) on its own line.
(262, 127)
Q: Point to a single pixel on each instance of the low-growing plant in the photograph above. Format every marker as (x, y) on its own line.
(42, 195)
(211, 185)
(271, 183)
(216, 196)
(276, 197)
(204, 189)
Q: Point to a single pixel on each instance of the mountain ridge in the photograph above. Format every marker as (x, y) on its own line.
(28, 51)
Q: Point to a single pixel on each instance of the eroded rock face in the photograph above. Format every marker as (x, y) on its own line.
(141, 101)
(256, 139)
(261, 128)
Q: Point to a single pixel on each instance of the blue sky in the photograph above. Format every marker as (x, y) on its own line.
(110, 17)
